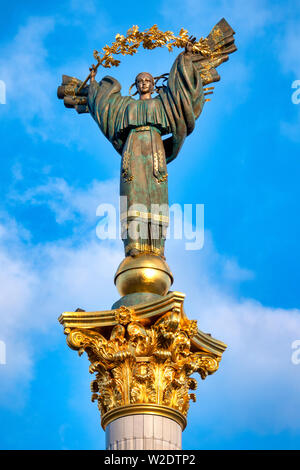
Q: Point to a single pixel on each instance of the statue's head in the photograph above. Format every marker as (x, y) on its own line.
(144, 83)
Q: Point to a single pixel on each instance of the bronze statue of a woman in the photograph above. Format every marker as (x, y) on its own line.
(136, 129)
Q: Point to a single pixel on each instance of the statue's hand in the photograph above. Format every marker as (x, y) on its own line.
(189, 45)
(93, 72)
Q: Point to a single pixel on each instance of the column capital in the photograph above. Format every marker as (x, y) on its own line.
(143, 357)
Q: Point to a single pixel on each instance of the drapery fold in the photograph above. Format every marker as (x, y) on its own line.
(173, 111)
(135, 129)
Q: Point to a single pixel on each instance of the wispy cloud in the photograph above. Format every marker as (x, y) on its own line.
(31, 82)
(38, 283)
(23, 68)
(69, 203)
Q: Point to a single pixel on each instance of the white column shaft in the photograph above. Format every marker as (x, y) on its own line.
(139, 432)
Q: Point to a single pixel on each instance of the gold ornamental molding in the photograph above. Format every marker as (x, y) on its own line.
(143, 409)
(143, 357)
(144, 313)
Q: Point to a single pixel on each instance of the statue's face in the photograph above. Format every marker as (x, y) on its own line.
(144, 83)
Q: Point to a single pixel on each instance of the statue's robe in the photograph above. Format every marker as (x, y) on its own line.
(135, 128)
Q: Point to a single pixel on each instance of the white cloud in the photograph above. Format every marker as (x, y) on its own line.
(69, 203)
(31, 85)
(257, 364)
(18, 285)
(37, 284)
(23, 68)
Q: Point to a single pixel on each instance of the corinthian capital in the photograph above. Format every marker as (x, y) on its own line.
(143, 360)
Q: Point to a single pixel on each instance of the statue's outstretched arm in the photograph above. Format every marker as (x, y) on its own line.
(75, 93)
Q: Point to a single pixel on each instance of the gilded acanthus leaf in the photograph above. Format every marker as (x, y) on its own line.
(143, 363)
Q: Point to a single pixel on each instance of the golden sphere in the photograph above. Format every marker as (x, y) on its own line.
(143, 273)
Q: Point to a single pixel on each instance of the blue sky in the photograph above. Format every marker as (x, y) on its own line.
(241, 162)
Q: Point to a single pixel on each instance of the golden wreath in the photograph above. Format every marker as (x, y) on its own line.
(150, 39)
(211, 51)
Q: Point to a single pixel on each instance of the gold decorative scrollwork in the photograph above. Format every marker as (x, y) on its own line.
(143, 363)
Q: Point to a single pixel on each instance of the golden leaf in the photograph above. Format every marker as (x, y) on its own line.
(150, 39)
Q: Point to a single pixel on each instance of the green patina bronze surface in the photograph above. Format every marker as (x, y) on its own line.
(149, 133)
(135, 128)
